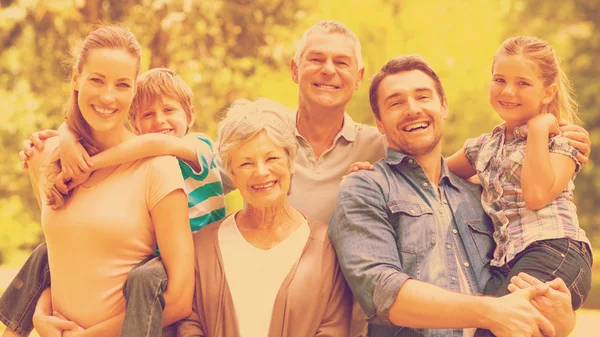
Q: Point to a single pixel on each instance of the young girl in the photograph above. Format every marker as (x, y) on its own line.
(97, 233)
(527, 169)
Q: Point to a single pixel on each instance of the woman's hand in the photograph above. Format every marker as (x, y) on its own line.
(52, 325)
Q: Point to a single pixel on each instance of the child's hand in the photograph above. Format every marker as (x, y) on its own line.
(74, 159)
(35, 140)
(64, 184)
(544, 122)
(555, 305)
(361, 165)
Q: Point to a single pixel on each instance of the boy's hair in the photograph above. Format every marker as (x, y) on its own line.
(563, 105)
(157, 82)
(398, 65)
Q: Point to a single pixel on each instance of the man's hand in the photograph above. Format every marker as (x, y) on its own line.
(53, 326)
(579, 138)
(359, 165)
(555, 305)
(35, 140)
(513, 315)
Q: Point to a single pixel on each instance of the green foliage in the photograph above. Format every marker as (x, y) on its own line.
(229, 49)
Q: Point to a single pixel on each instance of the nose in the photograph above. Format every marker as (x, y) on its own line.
(329, 68)
(508, 90)
(159, 118)
(108, 96)
(412, 107)
(262, 169)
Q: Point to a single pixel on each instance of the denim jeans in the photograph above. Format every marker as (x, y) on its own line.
(546, 260)
(143, 291)
(18, 302)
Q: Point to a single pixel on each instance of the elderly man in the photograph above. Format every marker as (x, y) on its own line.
(412, 239)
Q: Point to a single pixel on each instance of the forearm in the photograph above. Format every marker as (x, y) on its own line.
(44, 304)
(144, 146)
(422, 305)
(538, 176)
(176, 307)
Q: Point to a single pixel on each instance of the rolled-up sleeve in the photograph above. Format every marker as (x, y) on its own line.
(365, 241)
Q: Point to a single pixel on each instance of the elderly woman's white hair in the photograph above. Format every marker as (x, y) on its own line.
(246, 119)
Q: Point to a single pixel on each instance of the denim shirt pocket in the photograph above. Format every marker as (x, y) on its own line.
(482, 233)
(415, 229)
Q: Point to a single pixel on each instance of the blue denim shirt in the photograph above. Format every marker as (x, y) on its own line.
(386, 229)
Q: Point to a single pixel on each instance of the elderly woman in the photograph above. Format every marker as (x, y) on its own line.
(265, 271)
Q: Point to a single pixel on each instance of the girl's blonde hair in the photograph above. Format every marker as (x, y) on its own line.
(563, 105)
(109, 37)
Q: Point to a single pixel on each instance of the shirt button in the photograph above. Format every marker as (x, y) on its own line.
(454, 231)
(445, 201)
(448, 246)
(466, 264)
(412, 211)
(441, 211)
(410, 161)
(453, 278)
(425, 184)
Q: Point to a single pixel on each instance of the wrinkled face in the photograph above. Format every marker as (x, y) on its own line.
(327, 73)
(165, 115)
(105, 86)
(516, 90)
(260, 169)
(411, 112)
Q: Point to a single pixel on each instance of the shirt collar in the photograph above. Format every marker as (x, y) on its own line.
(393, 158)
(348, 128)
(519, 132)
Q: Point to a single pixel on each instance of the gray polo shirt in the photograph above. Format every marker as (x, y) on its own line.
(316, 181)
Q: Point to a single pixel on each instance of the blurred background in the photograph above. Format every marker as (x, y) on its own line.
(229, 49)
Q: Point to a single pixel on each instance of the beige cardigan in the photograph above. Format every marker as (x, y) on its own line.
(314, 299)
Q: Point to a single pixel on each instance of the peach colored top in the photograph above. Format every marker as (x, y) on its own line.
(103, 232)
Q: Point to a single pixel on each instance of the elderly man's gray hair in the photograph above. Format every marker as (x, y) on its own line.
(246, 119)
(329, 27)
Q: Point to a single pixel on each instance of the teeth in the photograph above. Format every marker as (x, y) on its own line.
(415, 126)
(509, 105)
(103, 111)
(326, 86)
(263, 186)
(165, 131)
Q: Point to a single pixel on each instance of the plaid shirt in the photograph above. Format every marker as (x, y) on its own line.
(499, 162)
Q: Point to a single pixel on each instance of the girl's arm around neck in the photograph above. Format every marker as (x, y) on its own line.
(460, 166)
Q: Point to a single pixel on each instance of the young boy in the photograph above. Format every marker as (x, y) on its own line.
(161, 108)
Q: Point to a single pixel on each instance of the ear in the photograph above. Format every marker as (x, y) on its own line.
(75, 78)
(380, 125)
(294, 70)
(445, 108)
(192, 119)
(549, 93)
(361, 74)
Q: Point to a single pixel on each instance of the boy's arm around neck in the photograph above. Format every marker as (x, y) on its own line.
(151, 145)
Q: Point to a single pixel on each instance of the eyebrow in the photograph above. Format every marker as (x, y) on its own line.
(120, 79)
(416, 90)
